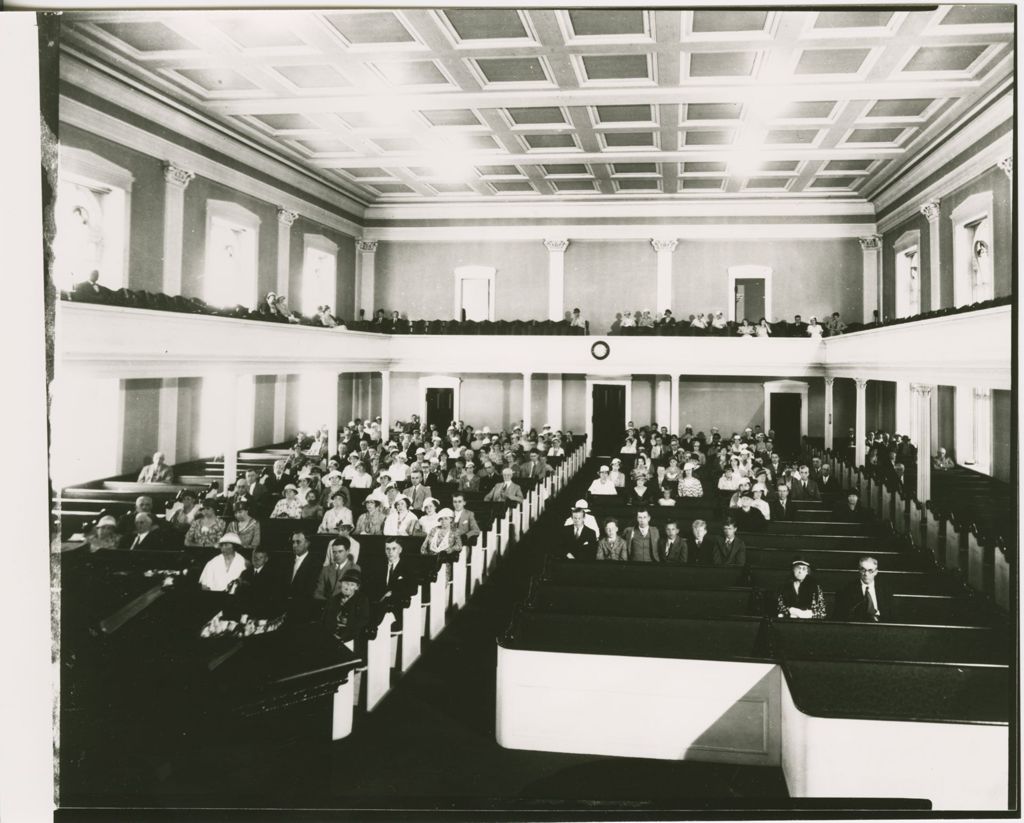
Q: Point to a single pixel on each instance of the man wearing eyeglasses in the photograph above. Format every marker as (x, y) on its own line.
(866, 600)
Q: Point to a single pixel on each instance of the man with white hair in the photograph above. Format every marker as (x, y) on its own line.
(157, 472)
(942, 462)
(506, 490)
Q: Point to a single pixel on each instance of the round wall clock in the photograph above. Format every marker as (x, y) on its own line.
(600, 350)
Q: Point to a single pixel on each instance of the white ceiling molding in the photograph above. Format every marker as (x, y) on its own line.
(622, 210)
(78, 73)
(733, 232)
(988, 157)
(998, 113)
(103, 125)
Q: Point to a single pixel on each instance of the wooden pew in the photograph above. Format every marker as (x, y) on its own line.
(644, 602)
(782, 558)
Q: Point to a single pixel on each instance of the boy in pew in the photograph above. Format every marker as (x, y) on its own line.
(732, 551)
(673, 547)
(702, 547)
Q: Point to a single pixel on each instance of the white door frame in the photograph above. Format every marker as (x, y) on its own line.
(592, 381)
(749, 272)
(474, 273)
(785, 387)
(440, 381)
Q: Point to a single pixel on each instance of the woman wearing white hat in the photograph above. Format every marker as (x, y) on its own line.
(104, 536)
(401, 520)
(290, 505)
(603, 484)
(221, 572)
(442, 538)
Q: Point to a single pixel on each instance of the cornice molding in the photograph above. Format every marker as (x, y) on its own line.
(104, 125)
(120, 91)
(985, 159)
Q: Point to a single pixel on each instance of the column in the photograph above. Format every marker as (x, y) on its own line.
(556, 277)
(230, 430)
(673, 404)
(931, 211)
(982, 398)
(366, 251)
(664, 248)
(555, 401)
(280, 407)
(285, 219)
(904, 419)
(871, 249)
(385, 404)
(923, 411)
(167, 428)
(662, 410)
(861, 429)
(176, 180)
(829, 431)
(331, 411)
(527, 401)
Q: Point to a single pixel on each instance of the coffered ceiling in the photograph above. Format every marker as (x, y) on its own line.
(461, 104)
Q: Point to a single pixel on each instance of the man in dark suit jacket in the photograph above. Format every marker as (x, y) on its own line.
(804, 487)
(781, 505)
(90, 289)
(827, 483)
(261, 586)
(673, 548)
(254, 492)
(731, 551)
(302, 578)
(147, 535)
(866, 600)
(577, 541)
(278, 478)
(702, 547)
(506, 491)
(464, 522)
(850, 510)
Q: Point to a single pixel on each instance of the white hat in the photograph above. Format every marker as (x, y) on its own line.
(229, 537)
(604, 469)
(581, 504)
(616, 461)
(332, 474)
(106, 520)
(446, 512)
(291, 486)
(421, 450)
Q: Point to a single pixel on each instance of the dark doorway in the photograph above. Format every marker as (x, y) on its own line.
(749, 298)
(609, 420)
(785, 417)
(440, 408)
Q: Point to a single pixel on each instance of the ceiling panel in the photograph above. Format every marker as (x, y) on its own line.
(387, 103)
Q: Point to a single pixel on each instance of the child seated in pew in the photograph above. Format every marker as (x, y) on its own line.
(611, 546)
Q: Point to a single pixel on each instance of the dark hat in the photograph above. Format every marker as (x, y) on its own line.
(352, 575)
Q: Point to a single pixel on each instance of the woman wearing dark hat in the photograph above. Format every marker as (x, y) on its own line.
(353, 609)
(801, 597)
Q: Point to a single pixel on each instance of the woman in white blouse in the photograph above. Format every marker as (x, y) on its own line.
(401, 520)
(429, 518)
(290, 505)
(337, 515)
(221, 572)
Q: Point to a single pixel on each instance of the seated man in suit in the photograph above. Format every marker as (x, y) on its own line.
(673, 548)
(577, 540)
(642, 540)
(148, 535)
(827, 482)
(782, 506)
(90, 288)
(417, 492)
(804, 487)
(261, 586)
(253, 492)
(865, 600)
(302, 578)
(849, 509)
(399, 583)
(506, 490)
(701, 546)
(464, 521)
(731, 551)
(942, 462)
(157, 471)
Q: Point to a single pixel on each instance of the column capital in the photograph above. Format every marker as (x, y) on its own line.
(861, 382)
(1006, 164)
(556, 245)
(931, 210)
(829, 381)
(177, 176)
(873, 242)
(662, 244)
(980, 393)
(921, 389)
(286, 216)
(366, 246)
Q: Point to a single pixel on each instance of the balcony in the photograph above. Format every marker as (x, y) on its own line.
(972, 349)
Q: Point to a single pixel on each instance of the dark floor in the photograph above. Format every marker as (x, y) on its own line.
(430, 743)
